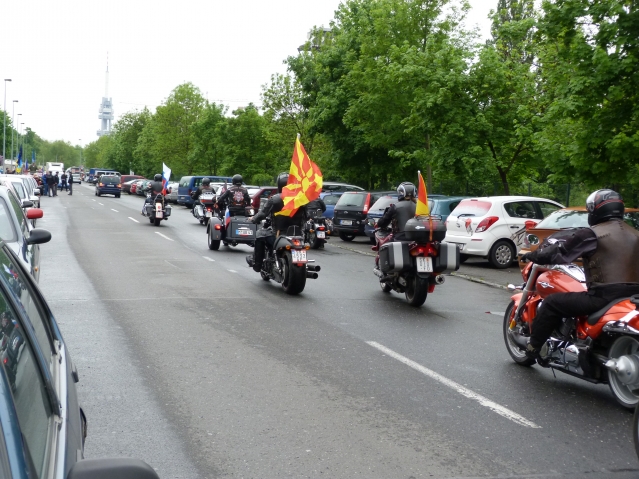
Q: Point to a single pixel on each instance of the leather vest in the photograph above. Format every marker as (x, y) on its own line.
(280, 222)
(616, 259)
(404, 211)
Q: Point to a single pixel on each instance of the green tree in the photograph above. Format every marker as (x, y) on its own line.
(126, 133)
(207, 141)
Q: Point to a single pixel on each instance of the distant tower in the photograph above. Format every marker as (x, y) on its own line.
(106, 108)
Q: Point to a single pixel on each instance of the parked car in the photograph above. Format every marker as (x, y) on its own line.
(108, 185)
(19, 188)
(261, 193)
(18, 233)
(333, 187)
(188, 184)
(95, 173)
(349, 216)
(484, 226)
(142, 187)
(126, 186)
(127, 178)
(172, 192)
(567, 218)
(134, 186)
(330, 200)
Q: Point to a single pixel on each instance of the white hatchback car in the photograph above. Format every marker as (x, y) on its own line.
(485, 226)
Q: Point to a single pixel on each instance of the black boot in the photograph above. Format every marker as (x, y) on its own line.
(533, 353)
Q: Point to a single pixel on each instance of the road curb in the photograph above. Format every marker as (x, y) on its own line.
(467, 277)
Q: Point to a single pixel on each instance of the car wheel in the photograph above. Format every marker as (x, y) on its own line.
(502, 254)
(346, 237)
(117, 196)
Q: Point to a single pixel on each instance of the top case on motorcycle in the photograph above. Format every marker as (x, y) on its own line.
(447, 259)
(418, 229)
(240, 229)
(394, 257)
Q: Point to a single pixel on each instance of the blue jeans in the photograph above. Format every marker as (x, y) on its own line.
(45, 192)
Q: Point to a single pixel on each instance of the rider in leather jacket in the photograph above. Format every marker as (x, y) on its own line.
(399, 213)
(265, 237)
(610, 253)
(236, 198)
(155, 188)
(206, 187)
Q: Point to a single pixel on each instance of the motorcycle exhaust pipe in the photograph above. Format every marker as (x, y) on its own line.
(439, 279)
(311, 275)
(519, 340)
(313, 267)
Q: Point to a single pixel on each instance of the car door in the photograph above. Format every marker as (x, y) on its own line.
(517, 213)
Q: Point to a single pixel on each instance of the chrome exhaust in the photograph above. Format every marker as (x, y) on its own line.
(439, 279)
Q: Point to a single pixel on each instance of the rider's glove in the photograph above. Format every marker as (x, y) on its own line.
(526, 257)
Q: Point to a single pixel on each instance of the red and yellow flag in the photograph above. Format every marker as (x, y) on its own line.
(422, 198)
(304, 182)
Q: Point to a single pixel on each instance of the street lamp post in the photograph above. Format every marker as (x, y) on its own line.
(4, 123)
(13, 117)
(80, 143)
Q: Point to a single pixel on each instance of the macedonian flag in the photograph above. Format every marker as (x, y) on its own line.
(304, 182)
(422, 198)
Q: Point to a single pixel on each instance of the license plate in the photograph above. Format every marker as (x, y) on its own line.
(244, 232)
(208, 214)
(321, 235)
(158, 214)
(299, 255)
(424, 264)
(346, 222)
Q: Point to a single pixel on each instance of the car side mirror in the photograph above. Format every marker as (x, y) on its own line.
(27, 204)
(122, 468)
(34, 213)
(38, 236)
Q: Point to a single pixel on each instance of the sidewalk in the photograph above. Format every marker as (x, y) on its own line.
(475, 269)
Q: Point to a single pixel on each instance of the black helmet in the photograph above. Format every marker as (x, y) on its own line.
(406, 190)
(157, 177)
(206, 181)
(603, 205)
(282, 180)
(237, 179)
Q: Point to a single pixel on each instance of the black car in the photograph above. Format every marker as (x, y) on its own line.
(349, 216)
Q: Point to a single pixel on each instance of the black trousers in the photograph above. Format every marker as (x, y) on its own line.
(259, 252)
(562, 305)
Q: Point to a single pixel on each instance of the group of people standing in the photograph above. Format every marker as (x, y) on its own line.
(50, 183)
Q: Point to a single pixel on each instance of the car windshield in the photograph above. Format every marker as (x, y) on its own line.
(352, 199)
(471, 208)
(7, 231)
(110, 180)
(562, 219)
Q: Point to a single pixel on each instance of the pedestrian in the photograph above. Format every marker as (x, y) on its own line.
(70, 188)
(49, 182)
(63, 182)
(56, 182)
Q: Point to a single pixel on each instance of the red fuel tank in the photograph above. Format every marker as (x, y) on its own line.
(551, 282)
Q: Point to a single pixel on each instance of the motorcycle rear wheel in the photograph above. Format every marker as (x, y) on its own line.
(416, 290)
(294, 276)
(624, 395)
(157, 221)
(213, 244)
(518, 354)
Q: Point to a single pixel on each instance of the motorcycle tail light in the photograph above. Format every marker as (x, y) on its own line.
(486, 223)
(218, 227)
(296, 242)
(321, 228)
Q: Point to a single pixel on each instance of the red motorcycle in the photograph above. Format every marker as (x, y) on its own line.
(602, 348)
(414, 267)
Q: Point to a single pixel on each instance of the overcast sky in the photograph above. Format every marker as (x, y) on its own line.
(55, 52)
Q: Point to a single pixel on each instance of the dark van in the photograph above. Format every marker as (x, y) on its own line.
(188, 184)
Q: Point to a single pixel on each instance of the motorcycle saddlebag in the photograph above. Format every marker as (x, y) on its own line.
(394, 257)
(447, 259)
(418, 229)
(240, 229)
(150, 210)
(167, 211)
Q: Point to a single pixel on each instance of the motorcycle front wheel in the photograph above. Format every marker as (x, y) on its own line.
(518, 354)
(294, 276)
(416, 290)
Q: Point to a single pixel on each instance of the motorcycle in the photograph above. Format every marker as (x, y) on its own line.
(602, 348)
(156, 209)
(416, 266)
(287, 263)
(231, 230)
(204, 210)
(317, 229)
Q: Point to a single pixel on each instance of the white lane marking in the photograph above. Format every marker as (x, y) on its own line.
(232, 271)
(114, 210)
(93, 199)
(100, 203)
(493, 406)
(207, 258)
(165, 237)
(133, 219)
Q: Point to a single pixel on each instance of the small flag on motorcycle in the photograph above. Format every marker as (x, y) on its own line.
(166, 174)
(422, 198)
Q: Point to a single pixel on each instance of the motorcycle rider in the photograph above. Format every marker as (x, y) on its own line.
(610, 253)
(315, 205)
(155, 188)
(236, 198)
(399, 213)
(205, 187)
(265, 237)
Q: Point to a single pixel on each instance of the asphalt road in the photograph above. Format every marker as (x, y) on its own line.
(188, 360)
